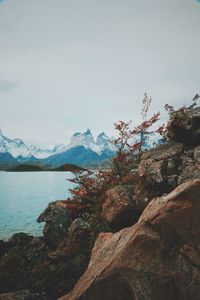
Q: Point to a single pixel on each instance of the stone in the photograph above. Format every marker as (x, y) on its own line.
(20, 238)
(158, 172)
(157, 258)
(185, 128)
(57, 220)
(119, 209)
(78, 225)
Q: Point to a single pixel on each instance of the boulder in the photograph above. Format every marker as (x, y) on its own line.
(77, 226)
(31, 271)
(158, 172)
(185, 127)
(119, 209)
(157, 258)
(162, 169)
(57, 220)
(189, 165)
(19, 239)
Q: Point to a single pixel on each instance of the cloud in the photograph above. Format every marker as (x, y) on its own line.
(6, 85)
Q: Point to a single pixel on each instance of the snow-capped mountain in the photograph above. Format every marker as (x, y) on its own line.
(41, 153)
(16, 148)
(86, 140)
(105, 143)
(82, 150)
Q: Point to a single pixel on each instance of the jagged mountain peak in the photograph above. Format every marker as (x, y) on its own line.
(102, 138)
(87, 132)
(18, 141)
(102, 134)
(85, 139)
(78, 133)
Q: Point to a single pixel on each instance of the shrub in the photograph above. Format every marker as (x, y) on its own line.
(129, 144)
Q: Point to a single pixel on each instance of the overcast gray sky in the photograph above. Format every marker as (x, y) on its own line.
(66, 65)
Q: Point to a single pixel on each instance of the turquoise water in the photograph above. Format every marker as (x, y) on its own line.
(24, 195)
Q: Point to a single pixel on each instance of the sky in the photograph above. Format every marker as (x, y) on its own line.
(69, 65)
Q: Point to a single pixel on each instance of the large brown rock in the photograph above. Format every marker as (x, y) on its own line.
(119, 209)
(162, 169)
(158, 172)
(157, 258)
(184, 126)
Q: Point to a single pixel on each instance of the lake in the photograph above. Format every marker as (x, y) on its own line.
(24, 195)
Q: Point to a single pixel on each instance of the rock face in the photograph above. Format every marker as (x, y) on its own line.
(157, 258)
(163, 168)
(78, 226)
(47, 267)
(57, 220)
(119, 209)
(185, 128)
(29, 267)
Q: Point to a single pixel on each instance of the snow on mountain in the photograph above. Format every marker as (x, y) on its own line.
(19, 150)
(82, 149)
(84, 139)
(105, 143)
(16, 147)
(39, 152)
(22, 152)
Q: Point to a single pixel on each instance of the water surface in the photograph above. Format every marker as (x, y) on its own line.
(24, 195)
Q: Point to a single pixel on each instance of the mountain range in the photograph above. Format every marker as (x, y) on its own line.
(82, 150)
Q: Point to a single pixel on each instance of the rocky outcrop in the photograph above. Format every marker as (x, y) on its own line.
(184, 126)
(78, 226)
(119, 209)
(48, 266)
(57, 220)
(157, 258)
(163, 168)
(27, 263)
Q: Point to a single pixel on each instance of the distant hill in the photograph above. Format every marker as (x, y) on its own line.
(69, 168)
(26, 168)
(37, 168)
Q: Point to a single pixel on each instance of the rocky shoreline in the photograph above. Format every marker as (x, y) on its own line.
(144, 244)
